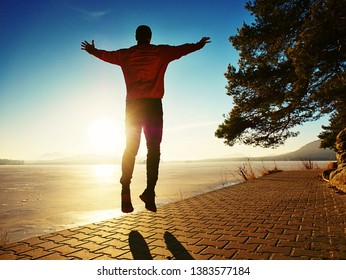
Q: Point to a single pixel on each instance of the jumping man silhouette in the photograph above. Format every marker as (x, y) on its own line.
(143, 66)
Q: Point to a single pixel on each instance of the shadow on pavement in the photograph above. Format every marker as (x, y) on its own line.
(177, 249)
(140, 250)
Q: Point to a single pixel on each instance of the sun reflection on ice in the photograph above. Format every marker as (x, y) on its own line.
(105, 172)
(98, 215)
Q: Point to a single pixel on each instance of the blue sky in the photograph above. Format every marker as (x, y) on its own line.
(55, 98)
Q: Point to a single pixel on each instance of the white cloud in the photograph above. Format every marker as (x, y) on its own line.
(95, 14)
(90, 15)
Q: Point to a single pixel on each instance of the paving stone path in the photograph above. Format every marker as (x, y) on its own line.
(287, 215)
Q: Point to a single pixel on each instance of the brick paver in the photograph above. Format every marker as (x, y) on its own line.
(287, 215)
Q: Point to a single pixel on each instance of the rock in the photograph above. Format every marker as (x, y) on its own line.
(337, 178)
(332, 165)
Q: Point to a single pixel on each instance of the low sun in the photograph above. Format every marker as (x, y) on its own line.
(105, 136)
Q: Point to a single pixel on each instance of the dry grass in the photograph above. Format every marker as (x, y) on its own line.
(223, 180)
(245, 171)
(307, 163)
(270, 171)
(4, 239)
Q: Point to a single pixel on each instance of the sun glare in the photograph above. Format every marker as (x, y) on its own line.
(105, 136)
(103, 170)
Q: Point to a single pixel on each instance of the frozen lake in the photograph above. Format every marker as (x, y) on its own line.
(37, 199)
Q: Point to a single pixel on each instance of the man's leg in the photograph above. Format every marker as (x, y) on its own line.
(153, 124)
(133, 136)
(153, 158)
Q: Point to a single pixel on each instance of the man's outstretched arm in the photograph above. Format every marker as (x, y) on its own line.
(175, 52)
(86, 46)
(203, 41)
(107, 56)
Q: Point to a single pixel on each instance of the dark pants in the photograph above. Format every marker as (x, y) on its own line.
(143, 114)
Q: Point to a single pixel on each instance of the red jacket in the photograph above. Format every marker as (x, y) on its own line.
(144, 66)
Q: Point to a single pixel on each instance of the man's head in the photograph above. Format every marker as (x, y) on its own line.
(143, 34)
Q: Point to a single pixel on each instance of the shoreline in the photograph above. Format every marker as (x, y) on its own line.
(42, 199)
(274, 217)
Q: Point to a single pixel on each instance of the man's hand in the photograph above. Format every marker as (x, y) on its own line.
(204, 40)
(88, 47)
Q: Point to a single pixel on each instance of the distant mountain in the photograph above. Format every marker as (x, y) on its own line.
(83, 159)
(80, 159)
(311, 151)
(11, 162)
(49, 156)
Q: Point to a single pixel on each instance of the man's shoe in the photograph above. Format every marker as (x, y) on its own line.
(126, 204)
(148, 197)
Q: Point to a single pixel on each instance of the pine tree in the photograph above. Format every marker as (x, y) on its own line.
(291, 70)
